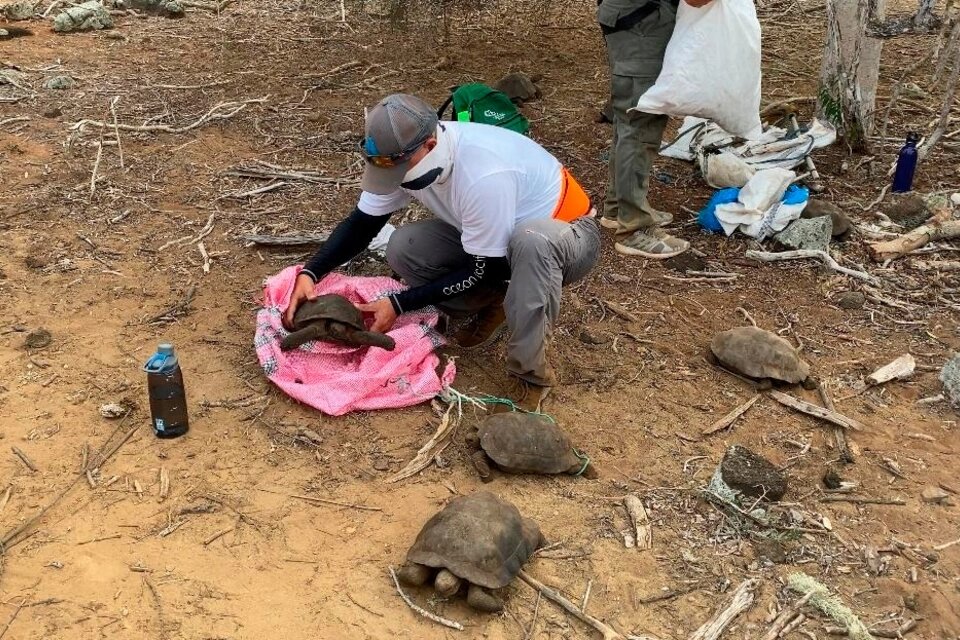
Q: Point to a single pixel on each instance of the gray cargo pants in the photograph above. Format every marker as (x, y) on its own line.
(636, 57)
(544, 255)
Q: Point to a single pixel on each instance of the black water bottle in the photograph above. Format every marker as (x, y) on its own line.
(168, 399)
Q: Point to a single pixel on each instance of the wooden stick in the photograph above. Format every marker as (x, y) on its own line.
(287, 241)
(731, 417)
(314, 499)
(621, 311)
(116, 128)
(24, 459)
(586, 596)
(607, 632)
(220, 111)
(217, 536)
(536, 612)
(853, 500)
(13, 617)
(839, 435)
(423, 612)
(801, 254)
(164, 484)
(905, 628)
(741, 600)
(898, 247)
(643, 532)
(817, 412)
(780, 623)
(946, 545)
(429, 451)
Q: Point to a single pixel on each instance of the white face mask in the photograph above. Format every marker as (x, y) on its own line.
(433, 167)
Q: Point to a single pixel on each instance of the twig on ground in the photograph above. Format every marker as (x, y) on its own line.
(839, 434)
(548, 593)
(620, 310)
(423, 612)
(817, 412)
(822, 256)
(642, 529)
(740, 600)
(586, 596)
(315, 500)
(220, 111)
(854, 500)
(898, 247)
(218, 535)
(533, 623)
(177, 310)
(13, 617)
(287, 241)
(116, 128)
(28, 463)
(747, 316)
(434, 446)
(731, 417)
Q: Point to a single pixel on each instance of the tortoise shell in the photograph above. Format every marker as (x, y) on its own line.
(479, 538)
(526, 443)
(760, 354)
(329, 307)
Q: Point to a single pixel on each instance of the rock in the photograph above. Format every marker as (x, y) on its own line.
(821, 208)
(685, 262)
(813, 234)
(590, 337)
(772, 550)
(88, 16)
(831, 480)
(112, 410)
(37, 339)
(950, 377)
(934, 495)
(955, 199)
(59, 83)
(19, 10)
(381, 464)
(166, 8)
(53, 112)
(851, 300)
(752, 475)
(909, 211)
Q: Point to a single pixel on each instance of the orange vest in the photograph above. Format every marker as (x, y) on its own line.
(574, 202)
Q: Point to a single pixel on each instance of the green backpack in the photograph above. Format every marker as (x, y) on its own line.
(479, 103)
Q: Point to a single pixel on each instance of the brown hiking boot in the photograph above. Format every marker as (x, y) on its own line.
(483, 329)
(523, 396)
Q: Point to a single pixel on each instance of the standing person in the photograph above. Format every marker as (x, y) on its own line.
(511, 228)
(636, 34)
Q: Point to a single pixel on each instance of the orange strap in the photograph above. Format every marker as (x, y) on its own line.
(574, 202)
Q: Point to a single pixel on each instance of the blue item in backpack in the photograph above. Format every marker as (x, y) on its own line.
(796, 194)
(708, 215)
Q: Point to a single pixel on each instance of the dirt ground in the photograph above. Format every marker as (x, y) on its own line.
(229, 554)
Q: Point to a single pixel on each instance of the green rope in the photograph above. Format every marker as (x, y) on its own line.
(450, 395)
(586, 461)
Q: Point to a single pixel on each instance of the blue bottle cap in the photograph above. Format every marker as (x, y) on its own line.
(165, 349)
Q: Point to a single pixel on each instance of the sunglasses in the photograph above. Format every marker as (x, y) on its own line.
(368, 148)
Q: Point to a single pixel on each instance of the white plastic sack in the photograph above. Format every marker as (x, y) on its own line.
(759, 211)
(726, 169)
(711, 68)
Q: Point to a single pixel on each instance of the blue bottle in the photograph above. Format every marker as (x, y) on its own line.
(168, 398)
(906, 165)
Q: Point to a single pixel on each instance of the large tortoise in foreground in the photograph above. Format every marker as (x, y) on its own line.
(333, 318)
(478, 542)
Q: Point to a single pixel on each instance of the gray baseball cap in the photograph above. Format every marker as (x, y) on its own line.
(398, 125)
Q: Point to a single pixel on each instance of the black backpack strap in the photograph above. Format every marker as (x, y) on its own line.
(446, 103)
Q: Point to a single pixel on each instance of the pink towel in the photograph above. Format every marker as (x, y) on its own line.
(337, 379)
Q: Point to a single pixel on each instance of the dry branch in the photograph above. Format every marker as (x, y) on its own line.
(839, 434)
(817, 412)
(316, 500)
(822, 256)
(898, 247)
(741, 600)
(607, 632)
(429, 451)
(731, 417)
(220, 111)
(642, 530)
(287, 241)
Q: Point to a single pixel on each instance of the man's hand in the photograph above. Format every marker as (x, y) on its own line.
(383, 314)
(698, 3)
(302, 291)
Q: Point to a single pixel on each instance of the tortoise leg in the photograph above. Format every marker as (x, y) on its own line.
(809, 383)
(414, 574)
(446, 584)
(373, 339)
(482, 464)
(482, 600)
(765, 384)
(300, 337)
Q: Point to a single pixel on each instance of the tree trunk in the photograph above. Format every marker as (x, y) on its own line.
(850, 70)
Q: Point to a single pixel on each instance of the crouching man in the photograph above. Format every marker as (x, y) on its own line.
(511, 228)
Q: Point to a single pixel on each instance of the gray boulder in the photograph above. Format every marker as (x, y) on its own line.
(18, 10)
(752, 475)
(812, 234)
(59, 83)
(950, 377)
(89, 16)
